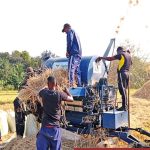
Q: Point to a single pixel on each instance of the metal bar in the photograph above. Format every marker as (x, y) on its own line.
(109, 48)
(141, 131)
(130, 139)
(129, 102)
(125, 137)
(112, 41)
(144, 132)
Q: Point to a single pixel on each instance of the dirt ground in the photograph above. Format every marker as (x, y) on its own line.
(29, 143)
(139, 114)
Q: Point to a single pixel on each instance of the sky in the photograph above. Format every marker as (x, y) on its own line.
(35, 25)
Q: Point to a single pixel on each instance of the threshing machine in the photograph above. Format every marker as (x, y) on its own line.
(95, 105)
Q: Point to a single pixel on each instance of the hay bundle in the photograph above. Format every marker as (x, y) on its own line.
(35, 84)
(144, 91)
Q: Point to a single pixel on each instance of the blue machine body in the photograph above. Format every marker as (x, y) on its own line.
(78, 92)
(91, 72)
(114, 119)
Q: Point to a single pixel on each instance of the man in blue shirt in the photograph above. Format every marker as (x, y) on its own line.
(74, 53)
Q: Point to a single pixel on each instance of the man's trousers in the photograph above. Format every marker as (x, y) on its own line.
(74, 69)
(123, 82)
(49, 139)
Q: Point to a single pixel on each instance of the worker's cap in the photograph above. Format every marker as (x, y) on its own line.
(120, 49)
(67, 25)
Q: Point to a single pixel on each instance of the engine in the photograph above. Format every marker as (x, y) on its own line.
(87, 112)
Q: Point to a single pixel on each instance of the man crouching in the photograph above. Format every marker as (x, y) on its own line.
(49, 136)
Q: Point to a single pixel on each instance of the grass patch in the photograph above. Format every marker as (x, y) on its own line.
(7, 96)
(6, 99)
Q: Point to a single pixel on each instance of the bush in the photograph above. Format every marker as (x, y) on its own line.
(8, 87)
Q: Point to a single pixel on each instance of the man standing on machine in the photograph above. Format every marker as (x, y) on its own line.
(74, 53)
(125, 62)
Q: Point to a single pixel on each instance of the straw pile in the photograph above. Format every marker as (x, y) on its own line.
(144, 91)
(38, 82)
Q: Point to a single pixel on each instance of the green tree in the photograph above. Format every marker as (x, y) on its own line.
(5, 71)
(4, 55)
(17, 77)
(35, 62)
(48, 54)
(13, 66)
(16, 54)
(26, 57)
(15, 57)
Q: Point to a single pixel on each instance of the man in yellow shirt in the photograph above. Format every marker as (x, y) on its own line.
(125, 62)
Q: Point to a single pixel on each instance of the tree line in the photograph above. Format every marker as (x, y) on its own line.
(13, 66)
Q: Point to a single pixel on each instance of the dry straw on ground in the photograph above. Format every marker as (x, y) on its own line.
(144, 91)
(69, 142)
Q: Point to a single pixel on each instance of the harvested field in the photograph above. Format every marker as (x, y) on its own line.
(21, 144)
(140, 116)
(140, 113)
(6, 99)
(69, 141)
(144, 91)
